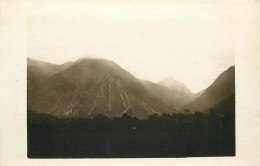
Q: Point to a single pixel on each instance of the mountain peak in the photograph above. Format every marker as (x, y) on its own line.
(98, 86)
(97, 62)
(231, 68)
(171, 83)
(178, 88)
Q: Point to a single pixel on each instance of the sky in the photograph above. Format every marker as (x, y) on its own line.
(190, 42)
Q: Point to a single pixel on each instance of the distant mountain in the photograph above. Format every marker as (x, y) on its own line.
(176, 98)
(181, 91)
(90, 87)
(37, 71)
(47, 68)
(175, 85)
(221, 89)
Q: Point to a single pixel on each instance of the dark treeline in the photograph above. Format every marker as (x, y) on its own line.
(177, 135)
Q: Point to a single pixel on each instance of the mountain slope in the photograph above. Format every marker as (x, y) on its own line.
(222, 88)
(176, 98)
(91, 87)
(225, 107)
(181, 91)
(198, 94)
(175, 85)
(38, 71)
(45, 67)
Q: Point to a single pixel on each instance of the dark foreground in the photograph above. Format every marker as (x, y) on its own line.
(177, 135)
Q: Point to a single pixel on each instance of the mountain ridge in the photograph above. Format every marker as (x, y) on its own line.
(180, 89)
(222, 88)
(90, 86)
(93, 87)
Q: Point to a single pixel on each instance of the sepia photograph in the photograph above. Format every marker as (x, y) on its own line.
(108, 82)
(140, 82)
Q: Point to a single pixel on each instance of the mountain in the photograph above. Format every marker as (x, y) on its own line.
(175, 85)
(181, 91)
(98, 86)
(169, 96)
(221, 89)
(88, 87)
(225, 107)
(198, 94)
(37, 71)
(46, 67)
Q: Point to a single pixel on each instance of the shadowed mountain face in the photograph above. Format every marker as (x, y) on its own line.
(90, 87)
(221, 89)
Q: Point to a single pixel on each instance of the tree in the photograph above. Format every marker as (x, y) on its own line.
(186, 111)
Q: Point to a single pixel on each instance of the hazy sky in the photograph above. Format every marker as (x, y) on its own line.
(191, 42)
